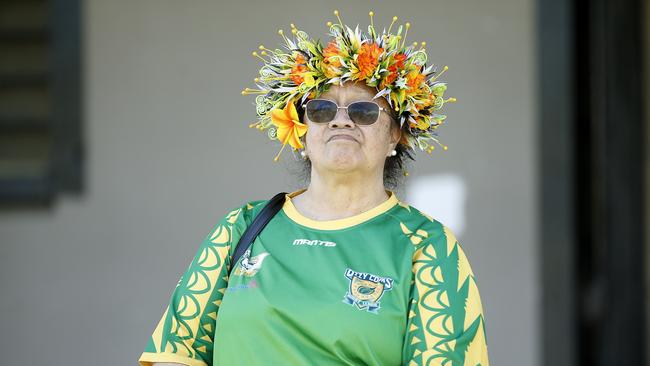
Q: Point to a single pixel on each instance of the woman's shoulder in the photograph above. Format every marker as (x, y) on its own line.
(411, 216)
(237, 218)
(422, 229)
(245, 211)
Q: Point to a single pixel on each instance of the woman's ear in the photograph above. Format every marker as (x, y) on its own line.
(303, 140)
(396, 135)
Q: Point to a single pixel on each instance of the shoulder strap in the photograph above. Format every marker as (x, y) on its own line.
(272, 207)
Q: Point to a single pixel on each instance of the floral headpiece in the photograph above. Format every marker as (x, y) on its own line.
(384, 61)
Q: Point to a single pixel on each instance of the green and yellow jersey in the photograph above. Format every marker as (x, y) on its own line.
(389, 286)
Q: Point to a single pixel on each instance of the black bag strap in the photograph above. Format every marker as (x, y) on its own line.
(272, 207)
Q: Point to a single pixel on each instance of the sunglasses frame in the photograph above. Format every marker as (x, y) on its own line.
(304, 106)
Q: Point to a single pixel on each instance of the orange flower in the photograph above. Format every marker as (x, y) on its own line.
(289, 126)
(368, 59)
(399, 58)
(413, 81)
(393, 70)
(392, 75)
(331, 62)
(298, 69)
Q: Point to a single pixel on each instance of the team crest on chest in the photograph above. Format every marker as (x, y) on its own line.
(366, 289)
(248, 265)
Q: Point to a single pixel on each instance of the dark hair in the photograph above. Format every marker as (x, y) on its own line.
(394, 167)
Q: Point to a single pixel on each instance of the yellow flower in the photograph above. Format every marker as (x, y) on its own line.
(289, 126)
(308, 78)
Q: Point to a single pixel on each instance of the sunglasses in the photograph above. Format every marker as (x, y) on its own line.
(361, 113)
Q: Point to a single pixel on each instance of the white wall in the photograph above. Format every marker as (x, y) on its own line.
(169, 152)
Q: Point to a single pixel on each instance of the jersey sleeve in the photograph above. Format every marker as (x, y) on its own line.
(185, 332)
(445, 323)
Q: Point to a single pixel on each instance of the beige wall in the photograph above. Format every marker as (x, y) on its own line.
(169, 152)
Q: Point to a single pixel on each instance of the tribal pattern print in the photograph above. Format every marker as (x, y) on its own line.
(445, 322)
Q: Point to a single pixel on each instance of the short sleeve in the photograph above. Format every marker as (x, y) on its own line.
(445, 323)
(185, 332)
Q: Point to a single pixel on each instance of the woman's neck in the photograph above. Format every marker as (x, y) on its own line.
(336, 197)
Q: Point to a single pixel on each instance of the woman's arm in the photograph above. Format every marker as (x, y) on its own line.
(185, 332)
(445, 320)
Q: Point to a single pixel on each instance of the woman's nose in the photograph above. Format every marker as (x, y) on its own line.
(341, 120)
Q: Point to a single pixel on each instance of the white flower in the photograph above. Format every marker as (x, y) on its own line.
(401, 83)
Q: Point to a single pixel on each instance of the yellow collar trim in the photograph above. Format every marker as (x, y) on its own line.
(291, 211)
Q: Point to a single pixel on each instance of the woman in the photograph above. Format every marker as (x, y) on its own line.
(344, 274)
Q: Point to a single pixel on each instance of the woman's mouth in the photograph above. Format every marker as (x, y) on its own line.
(342, 137)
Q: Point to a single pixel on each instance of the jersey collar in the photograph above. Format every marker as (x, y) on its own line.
(290, 210)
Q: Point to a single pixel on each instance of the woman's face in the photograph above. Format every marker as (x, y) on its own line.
(368, 147)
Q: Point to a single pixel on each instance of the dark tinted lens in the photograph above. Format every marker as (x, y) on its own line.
(320, 110)
(363, 113)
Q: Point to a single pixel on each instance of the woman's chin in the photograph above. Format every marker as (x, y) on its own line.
(342, 160)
